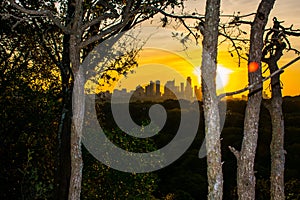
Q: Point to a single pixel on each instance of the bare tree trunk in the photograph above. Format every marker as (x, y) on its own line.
(245, 158)
(210, 100)
(78, 103)
(277, 143)
(275, 109)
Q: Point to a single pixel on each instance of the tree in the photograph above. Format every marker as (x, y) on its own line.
(246, 156)
(276, 42)
(76, 18)
(210, 100)
(29, 109)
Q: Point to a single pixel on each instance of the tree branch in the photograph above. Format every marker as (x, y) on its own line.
(280, 70)
(98, 20)
(44, 13)
(235, 152)
(101, 35)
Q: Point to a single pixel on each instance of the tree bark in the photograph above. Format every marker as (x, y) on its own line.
(245, 158)
(63, 168)
(275, 109)
(78, 102)
(277, 143)
(210, 100)
(64, 133)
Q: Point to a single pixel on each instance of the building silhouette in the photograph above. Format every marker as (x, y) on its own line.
(188, 89)
(152, 92)
(157, 84)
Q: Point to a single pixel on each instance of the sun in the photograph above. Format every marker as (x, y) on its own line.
(222, 79)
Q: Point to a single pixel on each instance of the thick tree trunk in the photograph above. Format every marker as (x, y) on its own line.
(210, 101)
(78, 102)
(245, 158)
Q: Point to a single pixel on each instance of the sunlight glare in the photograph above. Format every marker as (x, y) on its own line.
(223, 74)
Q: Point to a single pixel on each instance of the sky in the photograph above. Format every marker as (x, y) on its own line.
(165, 58)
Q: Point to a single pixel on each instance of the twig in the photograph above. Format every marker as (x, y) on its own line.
(235, 152)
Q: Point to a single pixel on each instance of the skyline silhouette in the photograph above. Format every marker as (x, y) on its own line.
(155, 91)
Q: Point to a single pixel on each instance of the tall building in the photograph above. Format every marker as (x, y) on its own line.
(189, 80)
(188, 89)
(182, 88)
(197, 93)
(139, 91)
(169, 90)
(157, 84)
(152, 88)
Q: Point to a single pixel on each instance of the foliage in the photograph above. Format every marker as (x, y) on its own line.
(102, 182)
(28, 139)
(292, 188)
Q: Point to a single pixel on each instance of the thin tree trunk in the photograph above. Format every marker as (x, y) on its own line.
(245, 158)
(64, 133)
(210, 100)
(63, 170)
(277, 143)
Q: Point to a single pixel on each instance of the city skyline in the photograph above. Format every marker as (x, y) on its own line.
(155, 91)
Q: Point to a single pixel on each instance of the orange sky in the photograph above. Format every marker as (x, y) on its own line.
(164, 58)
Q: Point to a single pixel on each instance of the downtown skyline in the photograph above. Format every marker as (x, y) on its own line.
(155, 91)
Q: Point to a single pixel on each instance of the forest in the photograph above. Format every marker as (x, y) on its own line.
(28, 153)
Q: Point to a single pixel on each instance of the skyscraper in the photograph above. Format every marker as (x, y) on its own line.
(188, 89)
(169, 90)
(152, 88)
(157, 84)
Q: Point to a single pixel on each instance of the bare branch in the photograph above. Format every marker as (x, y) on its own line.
(101, 35)
(280, 70)
(190, 31)
(235, 152)
(198, 17)
(98, 20)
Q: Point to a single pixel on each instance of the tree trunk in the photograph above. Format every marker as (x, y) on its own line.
(78, 102)
(277, 143)
(210, 100)
(64, 133)
(63, 168)
(246, 157)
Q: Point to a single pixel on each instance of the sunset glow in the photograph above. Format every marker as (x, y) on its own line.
(164, 57)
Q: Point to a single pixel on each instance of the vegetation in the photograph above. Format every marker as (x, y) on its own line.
(42, 47)
(28, 154)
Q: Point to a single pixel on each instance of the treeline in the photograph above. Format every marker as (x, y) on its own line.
(186, 178)
(29, 126)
